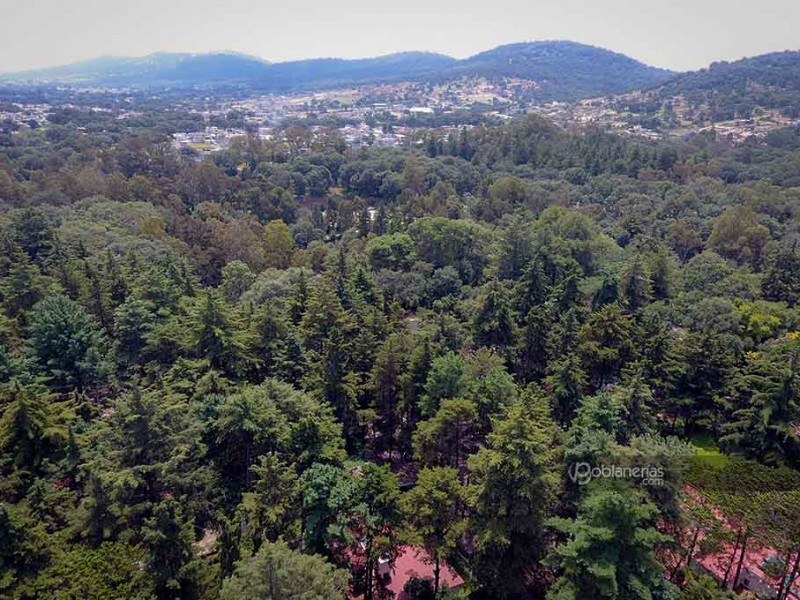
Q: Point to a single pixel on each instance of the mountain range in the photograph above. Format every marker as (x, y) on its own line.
(562, 70)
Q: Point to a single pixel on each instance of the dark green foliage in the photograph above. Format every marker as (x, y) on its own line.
(206, 380)
(68, 343)
(610, 550)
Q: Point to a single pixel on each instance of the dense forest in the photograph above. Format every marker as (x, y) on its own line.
(258, 373)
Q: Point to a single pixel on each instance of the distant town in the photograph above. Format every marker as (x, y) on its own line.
(386, 115)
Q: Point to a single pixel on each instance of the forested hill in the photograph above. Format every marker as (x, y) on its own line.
(564, 70)
(729, 90)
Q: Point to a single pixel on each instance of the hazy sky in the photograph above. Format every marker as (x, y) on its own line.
(678, 34)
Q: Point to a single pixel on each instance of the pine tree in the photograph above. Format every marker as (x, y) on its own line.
(169, 539)
(67, 343)
(515, 481)
(493, 325)
(767, 407)
(434, 512)
(28, 429)
(216, 334)
(610, 549)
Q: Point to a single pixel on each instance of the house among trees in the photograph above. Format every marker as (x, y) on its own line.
(755, 572)
(737, 559)
(413, 562)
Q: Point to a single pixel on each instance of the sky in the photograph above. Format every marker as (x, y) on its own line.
(676, 34)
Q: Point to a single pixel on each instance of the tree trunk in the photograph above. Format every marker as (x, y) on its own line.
(741, 560)
(689, 554)
(436, 569)
(784, 574)
(368, 591)
(733, 559)
(792, 577)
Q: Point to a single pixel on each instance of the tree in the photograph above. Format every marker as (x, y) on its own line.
(278, 244)
(636, 286)
(237, 278)
(606, 343)
(493, 325)
(215, 334)
(391, 251)
(446, 438)
(328, 493)
(375, 518)
(108, 571)
(514, 485)
(277, 573)
(133, 320)
(326, 329)
(767, 406)
(272, 417)
(269, 511)
(169, 541)
(387, 382)
(610, 549)
(28, 428)
(738, 236)
(782, 279)
(565, 386)
(68, 343)
(22, 288)
(434, 513)
(446, 379)
(489, 385)
(533, 345)
(637, 398)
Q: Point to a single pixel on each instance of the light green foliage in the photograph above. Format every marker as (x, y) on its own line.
(391, 251)
(434, 513)
(278, 244)
(276, 572)
(111, 570)
(739, 236)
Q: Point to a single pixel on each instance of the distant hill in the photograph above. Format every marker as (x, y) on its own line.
(562, 70)
(729, 90)
(154, 69)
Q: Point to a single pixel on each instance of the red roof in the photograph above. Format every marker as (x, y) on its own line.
(413, 561)
(755, 554)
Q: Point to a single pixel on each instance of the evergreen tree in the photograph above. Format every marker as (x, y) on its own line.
(169, 541)
(67, 343)
(493, 325)
(276, 572)
(216, 334)
(610, 549)
(28, 428)
(449, 436)
(767, 407)
(434, 512)
(514, 479)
